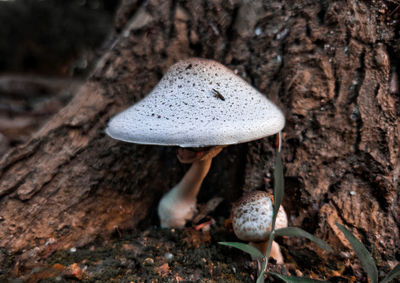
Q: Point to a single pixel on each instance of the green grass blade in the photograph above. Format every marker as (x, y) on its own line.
(392, 274)
(243, 247)
(297, 232)
(362, 253)
(279, 186)
(269, 246)
(260, 278)
(294, 279)
(263, 268)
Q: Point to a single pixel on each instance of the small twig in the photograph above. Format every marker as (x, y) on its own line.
(210, 206)
(394, 11)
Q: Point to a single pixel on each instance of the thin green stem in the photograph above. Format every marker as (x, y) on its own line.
(275, 213)
(270, 240)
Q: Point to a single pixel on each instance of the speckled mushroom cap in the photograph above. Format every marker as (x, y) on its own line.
(252, 217)
(198, 103)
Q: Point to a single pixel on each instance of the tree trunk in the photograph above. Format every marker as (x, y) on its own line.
(331, 67)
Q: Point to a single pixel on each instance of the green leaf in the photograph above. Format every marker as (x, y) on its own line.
(243, 247)
(392, 274)
(362, 253)
(279, 186)
(298, 232)
(295, 279)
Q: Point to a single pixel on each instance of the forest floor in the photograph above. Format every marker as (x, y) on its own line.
(152, 254)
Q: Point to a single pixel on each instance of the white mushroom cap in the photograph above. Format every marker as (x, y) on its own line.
(252, 217)
(198, 103)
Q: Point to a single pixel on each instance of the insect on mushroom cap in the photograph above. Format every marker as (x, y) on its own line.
(198, 103)
(252, 216)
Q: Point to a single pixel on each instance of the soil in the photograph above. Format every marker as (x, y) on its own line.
(153, 254)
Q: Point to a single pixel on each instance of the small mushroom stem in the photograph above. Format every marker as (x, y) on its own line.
(275, 250)
(179, 204)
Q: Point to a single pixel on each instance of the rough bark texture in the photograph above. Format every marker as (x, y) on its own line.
(329, 65)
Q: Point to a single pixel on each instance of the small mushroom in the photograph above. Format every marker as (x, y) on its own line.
(200, 106)
(252, 220)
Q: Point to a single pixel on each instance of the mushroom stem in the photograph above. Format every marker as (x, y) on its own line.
(189, 186)
(275, 250)
(179, 204)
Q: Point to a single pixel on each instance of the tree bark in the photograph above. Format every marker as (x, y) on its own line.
(331, 67)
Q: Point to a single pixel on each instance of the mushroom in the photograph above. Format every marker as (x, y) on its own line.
(200, 106)
(252, 220)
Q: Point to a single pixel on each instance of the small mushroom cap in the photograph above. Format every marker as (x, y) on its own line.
(198, 103)
(252, 217)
